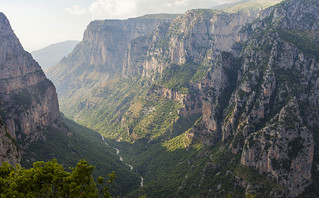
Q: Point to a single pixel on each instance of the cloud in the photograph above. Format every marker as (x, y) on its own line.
(181, 3)
(122, 9)
(113, 8)
(76, 10)
(178, 3)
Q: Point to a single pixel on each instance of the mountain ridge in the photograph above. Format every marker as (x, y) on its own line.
(52, 54)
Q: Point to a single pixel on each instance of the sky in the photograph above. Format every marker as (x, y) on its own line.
(39, 23)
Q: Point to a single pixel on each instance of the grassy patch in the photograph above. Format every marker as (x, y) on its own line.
(180, 142)
(179, 77)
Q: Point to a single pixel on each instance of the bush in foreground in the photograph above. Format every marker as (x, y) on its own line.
(51, 180)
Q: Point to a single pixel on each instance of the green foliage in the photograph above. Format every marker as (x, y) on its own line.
(252, 176)
(179, 77)
(124, 109)
(306, 41)
(180, 142)
(248, 195)
(207, 13)
(201, 72)
(127, 110)
(191, 172)
(106, 106)
(163, 171)
(162, 119)
(83, 143)
(159, 167)
(51, 180)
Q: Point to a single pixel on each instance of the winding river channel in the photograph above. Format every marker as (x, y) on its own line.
(121, 159)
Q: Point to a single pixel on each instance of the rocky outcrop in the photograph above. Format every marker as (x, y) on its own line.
(272, 112)
(217, 87)
(196, 37)
(28, 100)
(100, 55)
(157, 90)
(192, 103)
(284, 148)
(8, 147)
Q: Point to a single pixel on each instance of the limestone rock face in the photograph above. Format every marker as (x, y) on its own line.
(100, 55)
(286, 152)
(8, 149)
(28, 100)
(195, 37)
(217, 88)
(158, 90)
(273, 107)
(192, 104)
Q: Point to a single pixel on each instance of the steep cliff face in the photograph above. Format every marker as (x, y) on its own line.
(195, 37)
(183, 51)
(99, 56)
(272, 112)
(28, 100)
(8, 148)
(218, 87)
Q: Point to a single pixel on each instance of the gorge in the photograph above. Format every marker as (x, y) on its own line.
(210, 103)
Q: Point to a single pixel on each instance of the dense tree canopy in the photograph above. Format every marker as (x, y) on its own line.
(51, 180)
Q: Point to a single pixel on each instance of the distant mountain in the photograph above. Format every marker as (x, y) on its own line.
(52, 54)
(228, 5)
(244, 4)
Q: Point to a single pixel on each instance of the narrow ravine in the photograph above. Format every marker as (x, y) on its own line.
(121, 159)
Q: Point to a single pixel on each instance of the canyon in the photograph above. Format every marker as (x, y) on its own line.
(208, 103)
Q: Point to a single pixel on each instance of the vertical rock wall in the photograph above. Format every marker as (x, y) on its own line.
(28, 100)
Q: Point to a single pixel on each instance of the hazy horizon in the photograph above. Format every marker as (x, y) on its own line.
(39, 24)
